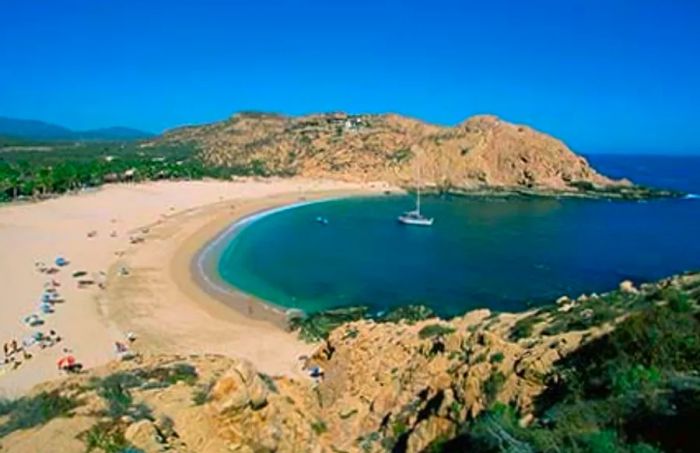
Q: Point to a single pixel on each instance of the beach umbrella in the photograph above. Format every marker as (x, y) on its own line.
(66, 362)
(32, 320)
(60, 261)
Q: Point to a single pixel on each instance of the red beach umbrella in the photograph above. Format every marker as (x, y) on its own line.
(66, 362)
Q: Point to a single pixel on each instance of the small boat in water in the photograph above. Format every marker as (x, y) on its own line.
(415, 217)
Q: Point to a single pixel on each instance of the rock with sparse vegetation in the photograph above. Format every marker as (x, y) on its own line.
(483, 154)
(614, 372)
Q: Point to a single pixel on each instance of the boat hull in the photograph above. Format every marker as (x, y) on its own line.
(415, 222)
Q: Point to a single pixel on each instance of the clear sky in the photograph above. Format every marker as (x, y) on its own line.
(604, 75)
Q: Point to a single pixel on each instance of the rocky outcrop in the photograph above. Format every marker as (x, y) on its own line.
(482, 152)
(386, 386)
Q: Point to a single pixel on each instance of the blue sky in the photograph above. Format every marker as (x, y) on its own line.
(603, 75)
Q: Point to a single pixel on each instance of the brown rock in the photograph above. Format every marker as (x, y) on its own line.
(144, 435)
(483, 151)
(627, 286)
(239, 388)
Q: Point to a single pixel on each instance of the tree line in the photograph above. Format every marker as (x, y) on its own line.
(67, 167)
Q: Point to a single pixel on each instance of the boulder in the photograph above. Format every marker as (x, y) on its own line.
(628, 287)
(238, 388)
(563, 300)
(144, 435)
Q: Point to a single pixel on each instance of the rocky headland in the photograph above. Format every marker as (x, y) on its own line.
(576, 374)
(484, 155)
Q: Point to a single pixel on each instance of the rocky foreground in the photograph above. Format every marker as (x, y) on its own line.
(610, 372)
(482, 153)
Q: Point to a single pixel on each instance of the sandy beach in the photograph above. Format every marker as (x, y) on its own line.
(139, 242)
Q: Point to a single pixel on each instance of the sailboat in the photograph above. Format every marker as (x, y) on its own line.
(415, 217)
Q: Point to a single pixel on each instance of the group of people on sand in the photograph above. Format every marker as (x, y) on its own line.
(15, 352)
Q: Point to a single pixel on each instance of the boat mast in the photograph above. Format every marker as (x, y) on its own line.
(418, 194)
(418, 201)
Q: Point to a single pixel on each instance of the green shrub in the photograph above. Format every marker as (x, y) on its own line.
(200, 395)
(107, 437)
(115, 390)
(491, 387)
(407, 313)
(433, 330)
(523, 327)
(635, 378)
(27, 412)
(677, 300)
(480, 358)
(180, 372)
(398, 428)
(497, 357)
(319, 427)
(317, 326)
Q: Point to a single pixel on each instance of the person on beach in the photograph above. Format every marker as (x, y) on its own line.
(120, 347)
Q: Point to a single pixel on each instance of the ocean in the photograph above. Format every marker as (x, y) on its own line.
(506, 255)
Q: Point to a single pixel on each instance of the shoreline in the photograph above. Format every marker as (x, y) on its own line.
(203, 265)
(153, 230)
(231, 323)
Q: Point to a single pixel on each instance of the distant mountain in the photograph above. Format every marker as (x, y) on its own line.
(40, 130)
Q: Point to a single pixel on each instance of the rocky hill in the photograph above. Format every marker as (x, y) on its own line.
(482, 152)
(609, 372)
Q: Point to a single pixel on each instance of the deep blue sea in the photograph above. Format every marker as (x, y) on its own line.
(501, 254)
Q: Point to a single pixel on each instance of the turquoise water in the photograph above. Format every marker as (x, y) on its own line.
(501, 254)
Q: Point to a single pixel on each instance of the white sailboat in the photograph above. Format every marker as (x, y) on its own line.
(415, 217)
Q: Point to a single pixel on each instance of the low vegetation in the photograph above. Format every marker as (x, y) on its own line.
(29, 171)
(434, 330)
(317, 326)
(523, 327)
(623, 192)
(28, 412)
(107, 437)
(409, 314)
(635, 389)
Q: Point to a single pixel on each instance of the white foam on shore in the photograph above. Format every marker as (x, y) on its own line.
(227, 234)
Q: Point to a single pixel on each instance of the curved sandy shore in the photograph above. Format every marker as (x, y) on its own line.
(159, 299)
